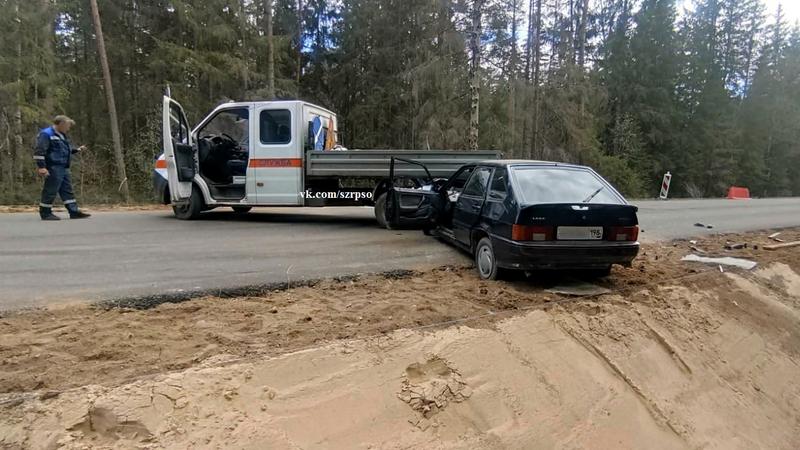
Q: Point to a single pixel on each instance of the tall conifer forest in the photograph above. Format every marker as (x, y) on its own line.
(708, 90)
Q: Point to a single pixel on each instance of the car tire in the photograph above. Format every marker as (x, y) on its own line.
(241, 209)
(380, 211)
(485, 260)
(191, 209)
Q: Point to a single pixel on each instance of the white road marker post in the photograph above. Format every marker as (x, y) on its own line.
(665, 186)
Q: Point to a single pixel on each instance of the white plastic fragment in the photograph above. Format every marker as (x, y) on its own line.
(727, 261)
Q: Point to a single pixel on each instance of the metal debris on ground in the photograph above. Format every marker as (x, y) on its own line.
(697, 249)
(726, 261)
(578, 288)
(732, 246)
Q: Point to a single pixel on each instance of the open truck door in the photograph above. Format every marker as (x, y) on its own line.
(412, 208)
(179, 153)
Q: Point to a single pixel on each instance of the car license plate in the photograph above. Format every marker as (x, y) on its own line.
(579, 233)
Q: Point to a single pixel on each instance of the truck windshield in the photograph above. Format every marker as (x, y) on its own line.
(561, 185)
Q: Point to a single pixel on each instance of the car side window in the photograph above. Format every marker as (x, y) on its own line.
(476, 186)
(178, 125)
(233, 122)
(458, 182)
(275, 126)
(498, 190)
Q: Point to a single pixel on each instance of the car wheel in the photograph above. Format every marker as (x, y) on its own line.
(485, 260)
(380, 211)
(241, 209)
(190, 209)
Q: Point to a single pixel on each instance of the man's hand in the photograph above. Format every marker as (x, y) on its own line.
(81, 148)
(42, 171)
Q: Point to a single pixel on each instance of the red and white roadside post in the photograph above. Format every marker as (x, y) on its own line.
(665, 186)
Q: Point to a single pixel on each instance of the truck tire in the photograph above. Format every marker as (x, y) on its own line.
(191, 209)
(380, 212)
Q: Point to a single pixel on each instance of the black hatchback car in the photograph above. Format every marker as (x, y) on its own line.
(523, 215)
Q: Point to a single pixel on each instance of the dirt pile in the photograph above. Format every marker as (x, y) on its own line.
(678, 355)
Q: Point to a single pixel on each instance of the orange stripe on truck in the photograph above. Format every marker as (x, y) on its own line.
(276, 162)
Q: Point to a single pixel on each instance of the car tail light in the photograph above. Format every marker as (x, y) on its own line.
(531, 233)
(624, 233)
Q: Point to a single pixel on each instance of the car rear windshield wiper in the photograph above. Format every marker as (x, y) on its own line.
(589, 198)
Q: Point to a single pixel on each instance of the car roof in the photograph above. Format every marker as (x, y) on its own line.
(527, 162)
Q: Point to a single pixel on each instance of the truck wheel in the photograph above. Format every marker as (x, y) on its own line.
(485, 260)
(241, 209)
(380, 212)
(190, 210)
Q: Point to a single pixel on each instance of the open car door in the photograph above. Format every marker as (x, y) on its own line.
(412, 207)
(180, 154)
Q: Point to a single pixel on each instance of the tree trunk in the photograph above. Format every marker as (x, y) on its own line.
(299, 43)
(512, 80)
(529, 41)
(537, 58)
(245, 52)
(16, 163)
(474, 74)
(270, 50)
(112, 108)
(581, 44)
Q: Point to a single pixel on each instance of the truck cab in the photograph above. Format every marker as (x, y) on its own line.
(242, 154)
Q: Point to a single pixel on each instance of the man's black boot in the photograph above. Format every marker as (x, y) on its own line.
(47, 214)
(79, 215)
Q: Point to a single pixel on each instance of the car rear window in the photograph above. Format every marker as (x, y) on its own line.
(561, 185)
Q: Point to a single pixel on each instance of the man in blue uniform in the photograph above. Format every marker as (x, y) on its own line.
(52, 154)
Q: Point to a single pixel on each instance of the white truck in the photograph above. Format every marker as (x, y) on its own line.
(279, 153)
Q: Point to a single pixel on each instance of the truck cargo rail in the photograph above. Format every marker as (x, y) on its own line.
(375, 163)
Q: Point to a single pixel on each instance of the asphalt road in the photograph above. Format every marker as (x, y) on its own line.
(119, 254)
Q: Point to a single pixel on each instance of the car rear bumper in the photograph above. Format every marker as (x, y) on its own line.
(563, 254)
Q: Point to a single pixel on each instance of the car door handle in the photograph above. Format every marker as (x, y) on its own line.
(476, 207)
